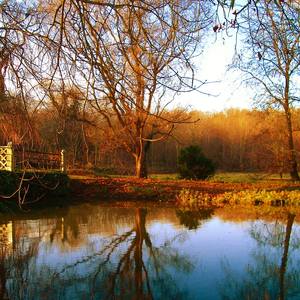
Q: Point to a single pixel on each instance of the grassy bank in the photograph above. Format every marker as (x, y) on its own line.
(221, 177)
(167, 187)
(222, 189)
(283, 198)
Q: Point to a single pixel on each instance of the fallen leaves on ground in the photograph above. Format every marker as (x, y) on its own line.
(131, 188)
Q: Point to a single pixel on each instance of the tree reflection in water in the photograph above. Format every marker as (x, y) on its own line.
(274, 273)
(123, 266)
(130, 267)
(192, 218)
(15, 263)
(125, 253)
(3, 274)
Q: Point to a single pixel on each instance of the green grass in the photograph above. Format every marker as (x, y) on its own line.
(231, 177)
(81, 177)
(247, 177)
(222, 177)
(171, 176)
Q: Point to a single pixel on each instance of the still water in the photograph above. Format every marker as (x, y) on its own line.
(98, 252)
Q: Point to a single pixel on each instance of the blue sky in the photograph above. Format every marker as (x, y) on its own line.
(228, 90)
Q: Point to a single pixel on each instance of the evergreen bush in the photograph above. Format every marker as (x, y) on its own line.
(193, 164)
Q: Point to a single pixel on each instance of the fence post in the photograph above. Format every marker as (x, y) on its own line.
(62, 160)
(10, 157)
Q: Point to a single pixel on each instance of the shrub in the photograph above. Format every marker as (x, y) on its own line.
(193, 164)
(192, 199)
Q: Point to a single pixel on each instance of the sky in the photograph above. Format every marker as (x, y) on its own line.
(227, 91)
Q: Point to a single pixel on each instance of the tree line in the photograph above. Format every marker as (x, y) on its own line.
(236, 140)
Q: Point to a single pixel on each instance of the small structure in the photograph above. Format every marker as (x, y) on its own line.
(6, 236)
(12, 159)
(7, 157)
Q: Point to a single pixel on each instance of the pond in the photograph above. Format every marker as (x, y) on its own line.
(98, 252)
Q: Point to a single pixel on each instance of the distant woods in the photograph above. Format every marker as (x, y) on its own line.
(236, 140)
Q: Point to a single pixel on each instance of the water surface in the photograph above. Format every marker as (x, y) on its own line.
(99, 252)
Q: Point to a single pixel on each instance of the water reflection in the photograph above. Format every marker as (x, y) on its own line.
(140, 269)
(192, 219)
(274, 272)
(99, 259)
(94, 252)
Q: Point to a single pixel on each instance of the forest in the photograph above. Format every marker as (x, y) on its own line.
(236, 140)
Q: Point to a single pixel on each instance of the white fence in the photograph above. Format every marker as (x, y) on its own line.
(11, 159)
(7, 157)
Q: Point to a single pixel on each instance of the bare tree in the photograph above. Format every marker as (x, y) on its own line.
(22, 48)
(270, 60)
(129, 55)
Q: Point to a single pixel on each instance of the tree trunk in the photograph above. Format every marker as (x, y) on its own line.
(2, 87)
(141, 167)
(4, 61)
(86, 146)
(284, 258)
(140, 221)
(291, 148)
(141, 170)
(2, 279)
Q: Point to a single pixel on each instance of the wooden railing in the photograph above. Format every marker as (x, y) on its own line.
(13, 159)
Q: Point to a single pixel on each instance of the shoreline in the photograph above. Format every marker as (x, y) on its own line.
(131, 188)
(112, 190)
